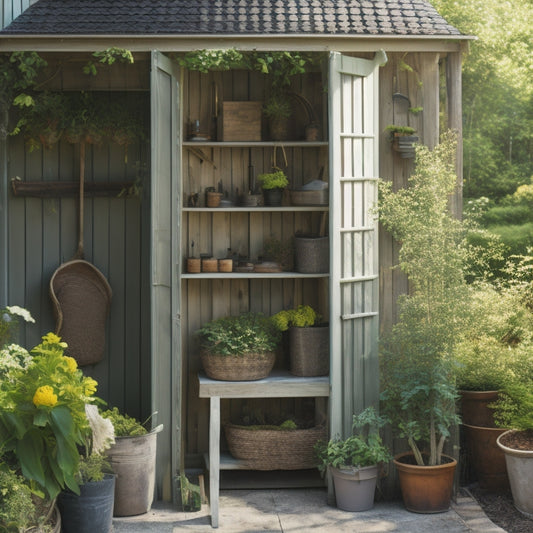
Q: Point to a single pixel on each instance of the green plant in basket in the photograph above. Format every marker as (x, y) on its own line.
(303, 316)
(238, 335)
(273, 180)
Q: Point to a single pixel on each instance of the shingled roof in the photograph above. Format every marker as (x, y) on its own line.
(231, 17)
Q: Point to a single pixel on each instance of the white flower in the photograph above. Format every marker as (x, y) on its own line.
(13, 357)
(20, 311)
(102, 429)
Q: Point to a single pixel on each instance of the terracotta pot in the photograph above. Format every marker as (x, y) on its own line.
(475, 408)
(425, 489)
(520, 472)
(487, 458)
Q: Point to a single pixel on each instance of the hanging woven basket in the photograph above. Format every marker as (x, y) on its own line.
(81, 297)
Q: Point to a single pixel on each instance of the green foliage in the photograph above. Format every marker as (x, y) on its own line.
(517, 238)
(108, 57)
(18, 72)
(514, 409)
(93, 467)
(416, 368)
(497, 93)
(273, 180)
(363, 448)
(206, 60)
(42, 416)
(277, 106)
(303, 316)
(17, 510)
(238, 335)
(400, 130)
(125, 425)
(508, 215)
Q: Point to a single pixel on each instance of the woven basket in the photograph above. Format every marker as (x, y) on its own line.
(247, 367)
(311, 254)
(299, 197)
(273, 449)
(194, 265)
(81, 297)
(225, 265)
(309, 351)
(209, 265)
(213, 199)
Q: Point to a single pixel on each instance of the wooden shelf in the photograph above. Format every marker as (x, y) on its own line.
(60, 189)
(251, 275)
(257, 144)
(288, 208)
(279, 384)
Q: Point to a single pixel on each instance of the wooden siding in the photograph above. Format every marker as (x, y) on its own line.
(11, 9)
(43, 232)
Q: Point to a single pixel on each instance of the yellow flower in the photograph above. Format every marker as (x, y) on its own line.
(44, 396)
(71, 363)
(52, 338)
(90, 386)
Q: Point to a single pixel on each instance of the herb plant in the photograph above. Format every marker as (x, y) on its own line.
(273, 180)
(237, 335)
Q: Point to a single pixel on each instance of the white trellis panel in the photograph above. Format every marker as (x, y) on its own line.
(165, 246)
(354, 269)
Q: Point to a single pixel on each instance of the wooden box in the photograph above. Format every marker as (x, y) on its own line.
(240, 121)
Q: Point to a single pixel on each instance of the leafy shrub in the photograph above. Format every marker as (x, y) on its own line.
(237, 335)
(508, 214)
(125, 425)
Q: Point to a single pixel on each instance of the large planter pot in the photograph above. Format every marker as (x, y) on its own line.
(520, 472)
(475, 410)
(92, 510)
(355, 487)
(425, 489)
(309, 351)
(311, 254)
(133, 462)
(246, 367)
(487, 458)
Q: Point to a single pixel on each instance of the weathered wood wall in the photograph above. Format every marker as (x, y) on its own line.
(43, 233)
(214, 233)
(11, 9)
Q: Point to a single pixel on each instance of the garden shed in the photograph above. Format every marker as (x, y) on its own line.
(386, 62)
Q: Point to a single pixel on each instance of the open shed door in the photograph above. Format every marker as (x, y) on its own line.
(354, 268)
(164, 291)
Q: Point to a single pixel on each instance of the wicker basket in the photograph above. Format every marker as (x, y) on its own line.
(194, 265)
(213, 199)
(274, 449)
(247, 367)
(311, 254)
(299, 197)
(225, 265)
(309, 351)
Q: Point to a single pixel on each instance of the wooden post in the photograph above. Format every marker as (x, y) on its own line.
(455, 121)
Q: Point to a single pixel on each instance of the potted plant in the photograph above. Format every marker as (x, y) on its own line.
(418, 382)
(308, 340)
(273, 183)
(132, 458)
(90, 508)
(239, 348)
(354, 461)
(403, 140)
(278, 110)
(515, 410)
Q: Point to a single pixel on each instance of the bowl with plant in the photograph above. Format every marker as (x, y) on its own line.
(308, 340)
(354, 461)
(132, 458)
(239, 348)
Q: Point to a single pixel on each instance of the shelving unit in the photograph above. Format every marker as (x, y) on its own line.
(244, 230)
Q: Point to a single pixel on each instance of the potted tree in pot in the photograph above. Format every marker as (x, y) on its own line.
(239, 348)
(354, 462)
(132, 458)
(418, 383)
(308, 340)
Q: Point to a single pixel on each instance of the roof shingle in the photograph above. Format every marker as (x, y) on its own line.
(193, 17)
